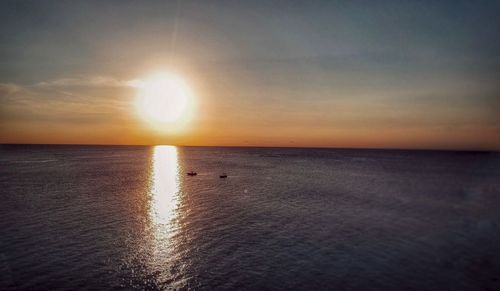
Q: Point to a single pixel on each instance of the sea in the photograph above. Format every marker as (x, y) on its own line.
(129, 217)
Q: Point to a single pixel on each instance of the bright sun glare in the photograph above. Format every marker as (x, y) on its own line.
(164, 100)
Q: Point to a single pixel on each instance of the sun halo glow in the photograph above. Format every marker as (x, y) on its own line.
(164, 101)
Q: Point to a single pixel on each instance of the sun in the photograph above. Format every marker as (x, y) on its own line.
(164, 100)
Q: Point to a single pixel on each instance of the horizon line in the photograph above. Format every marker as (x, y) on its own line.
(255, 146)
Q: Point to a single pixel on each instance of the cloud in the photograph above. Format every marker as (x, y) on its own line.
(9, 88)
(92, 101)
(95, 81)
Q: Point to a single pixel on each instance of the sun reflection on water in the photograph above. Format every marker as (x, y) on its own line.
(164, 190)
(158, 247)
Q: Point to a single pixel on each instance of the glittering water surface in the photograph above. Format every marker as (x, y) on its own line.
(129, 217)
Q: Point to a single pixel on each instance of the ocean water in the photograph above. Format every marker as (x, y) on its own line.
(104, 217)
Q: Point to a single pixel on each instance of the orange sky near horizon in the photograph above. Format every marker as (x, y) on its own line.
(236, 122)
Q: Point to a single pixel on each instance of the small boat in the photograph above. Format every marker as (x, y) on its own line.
(223, 176)
(192, 173)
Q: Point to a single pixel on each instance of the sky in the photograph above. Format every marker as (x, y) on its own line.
(375, 74)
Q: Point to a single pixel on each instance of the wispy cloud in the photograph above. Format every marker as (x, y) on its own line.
(92, 81)
(9, 88)
(70, 100)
